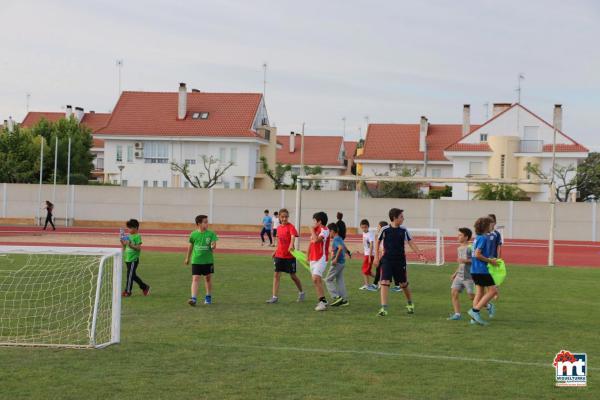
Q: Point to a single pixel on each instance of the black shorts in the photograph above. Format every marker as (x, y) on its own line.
(287, 265)
(274, 232)
(483, 280)
(395, 269)
(203, 269)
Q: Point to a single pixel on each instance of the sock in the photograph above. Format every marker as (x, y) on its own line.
(384, 306)
(457, 313)
(475, 310)
(194, 298)
(409, 302)
(323, 299)
(275, 297)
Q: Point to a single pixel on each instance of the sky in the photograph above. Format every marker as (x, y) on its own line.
(376, 61)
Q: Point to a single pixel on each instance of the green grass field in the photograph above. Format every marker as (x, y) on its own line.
(242, 348)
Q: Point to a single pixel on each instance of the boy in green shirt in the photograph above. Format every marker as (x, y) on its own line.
(132, 247)
(200, 251)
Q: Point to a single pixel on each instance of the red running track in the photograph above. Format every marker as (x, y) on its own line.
(515, 251)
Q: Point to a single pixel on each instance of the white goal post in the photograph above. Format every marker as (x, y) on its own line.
(60, 296)
(422, 179)
(431, 243)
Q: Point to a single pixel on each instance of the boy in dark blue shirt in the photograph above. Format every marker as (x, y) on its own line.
(393, 262)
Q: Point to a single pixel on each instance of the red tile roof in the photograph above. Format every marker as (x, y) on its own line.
(318, 150)
(566, 148)
(94, 121)
(469, 147)
(155, 114)
(350, 149)
(575, 147)
(401, 141)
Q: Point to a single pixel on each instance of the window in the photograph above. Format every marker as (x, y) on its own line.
(222, 152)
(436, 172)
(226, 185)
(190, 161)
(483, 137)
(502, 165)
(200, 115)
(233, 155)
(156, 152)
(119, 153)
(238, 185)
(527, 170)
(145, 183)
(154, 183)
(186, 184)
(165, 184)
(129, 153)
(99, 163)
(475, 167)
(124, 183)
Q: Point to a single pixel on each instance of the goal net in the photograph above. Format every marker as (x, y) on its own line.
(429, 241)
(60, 296)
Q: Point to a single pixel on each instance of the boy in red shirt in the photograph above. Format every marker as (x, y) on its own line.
(317, 256)
(282, 258)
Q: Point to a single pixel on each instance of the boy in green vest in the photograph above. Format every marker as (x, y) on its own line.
(200, 250)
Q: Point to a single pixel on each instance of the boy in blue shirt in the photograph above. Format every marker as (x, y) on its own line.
(335, 277)
(479, 270)
(267, 227)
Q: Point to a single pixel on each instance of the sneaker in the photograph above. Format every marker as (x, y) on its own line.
(454, 317)
(410, 308)
(337, 301)
(321, 306)
(396, 289)
(372, 288)
(207, 299)
(262, 244)
(272, 300)
(300, 297)
(146, 291)
(364, 287)
(192, 301)
(382, 312)
(126, 294)
(491, 309)
(344, 303)
(478, 319)
(473, 322)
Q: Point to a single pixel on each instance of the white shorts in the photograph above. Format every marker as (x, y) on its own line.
(318, 267)
(460, 284)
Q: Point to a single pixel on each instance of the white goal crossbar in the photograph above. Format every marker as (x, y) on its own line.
(60, 296)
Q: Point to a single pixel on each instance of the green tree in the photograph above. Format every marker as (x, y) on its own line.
(209, 177)
(19, 156)
(438, 193)
(81, 143)
(277, 175)
(400, 190)
(588, 176)
(565, 179)
(490, 191)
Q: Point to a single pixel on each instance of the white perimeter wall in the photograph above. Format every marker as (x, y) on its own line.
(524, 220)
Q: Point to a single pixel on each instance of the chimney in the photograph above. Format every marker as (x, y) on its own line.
(79, 113)
(5, 124)
(500, 107)
(69, 111)
(292, 142)
(466, 127)
(423, 133)
(92, 112)
(11, 125)
(182, 105)
(195, 91)
(558, 117)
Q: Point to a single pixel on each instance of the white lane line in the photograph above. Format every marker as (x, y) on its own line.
(392, 354)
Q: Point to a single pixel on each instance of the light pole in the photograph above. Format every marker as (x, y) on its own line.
(121, 168)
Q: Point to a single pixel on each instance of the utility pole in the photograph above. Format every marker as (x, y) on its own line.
(27, 97)
(519, 79)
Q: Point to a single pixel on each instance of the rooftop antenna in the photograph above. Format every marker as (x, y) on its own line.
(344, 131)
(519, 79)
(360, 132)
(487, 110)
(27, 97)
(119, 64)
(264, 79)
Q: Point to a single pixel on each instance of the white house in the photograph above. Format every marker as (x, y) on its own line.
(506, 144)
(149, 130)
(329, 152)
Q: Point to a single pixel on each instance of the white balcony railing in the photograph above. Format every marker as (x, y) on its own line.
(531, 146)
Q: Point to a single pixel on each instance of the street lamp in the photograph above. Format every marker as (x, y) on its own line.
(121, 168)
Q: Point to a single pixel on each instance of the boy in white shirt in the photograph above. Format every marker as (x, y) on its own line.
(368, 239)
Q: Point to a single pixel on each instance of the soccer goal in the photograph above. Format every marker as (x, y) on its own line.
(60, 296)
(429, 241)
